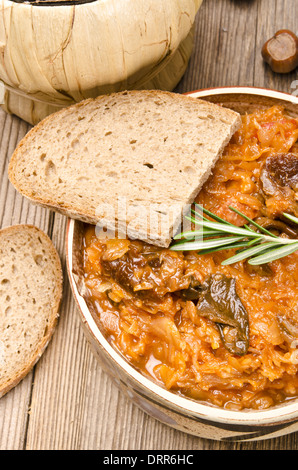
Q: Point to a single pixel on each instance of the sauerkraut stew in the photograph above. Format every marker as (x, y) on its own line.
(227, 335)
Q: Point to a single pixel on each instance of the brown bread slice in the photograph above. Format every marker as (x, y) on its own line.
(30, 294)
(137, 157)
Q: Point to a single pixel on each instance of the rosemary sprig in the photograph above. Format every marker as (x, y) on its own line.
(217, 234)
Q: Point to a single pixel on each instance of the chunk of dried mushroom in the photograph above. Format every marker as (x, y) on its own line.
(220, 303)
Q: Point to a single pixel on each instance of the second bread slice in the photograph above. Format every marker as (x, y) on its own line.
(131, 161)
(30, 295)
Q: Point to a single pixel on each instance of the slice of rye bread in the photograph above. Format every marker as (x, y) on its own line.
(30, 295)
(131, 161)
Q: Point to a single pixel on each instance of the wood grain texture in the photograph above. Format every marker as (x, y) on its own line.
(67, 401)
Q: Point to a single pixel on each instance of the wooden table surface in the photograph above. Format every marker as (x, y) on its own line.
(67, 401)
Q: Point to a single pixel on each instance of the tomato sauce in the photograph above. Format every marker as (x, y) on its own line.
(136, 288)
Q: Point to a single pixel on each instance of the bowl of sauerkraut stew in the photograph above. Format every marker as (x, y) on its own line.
(207, 348)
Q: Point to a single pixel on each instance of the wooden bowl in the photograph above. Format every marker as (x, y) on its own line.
(196, 418)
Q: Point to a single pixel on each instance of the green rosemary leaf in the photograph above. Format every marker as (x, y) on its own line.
(274, 254)
(199, 214)
(253, 222)
(244, 254)
(291, 217)
(235, 230)
(254, 241)
(261, 246)
(192, 219)
(248, 228)
(220, 248)
(203, 244)
(191, 234)
(231, 229)
(213, 216)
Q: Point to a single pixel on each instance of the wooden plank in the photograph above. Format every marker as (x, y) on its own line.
(224, 48)
(281, 15)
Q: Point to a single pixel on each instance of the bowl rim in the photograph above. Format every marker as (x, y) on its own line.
(245, 90)
(286, 412)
